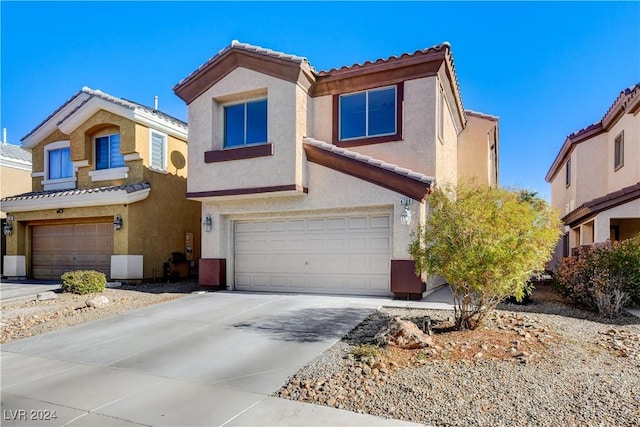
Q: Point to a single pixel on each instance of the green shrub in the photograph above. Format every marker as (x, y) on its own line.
(366, 350)
(83, 282)
(604, 278)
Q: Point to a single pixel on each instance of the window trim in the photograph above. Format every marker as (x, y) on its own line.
(165, 144)
(57, 183)
(567, 173)
(243, 102)
(353, 142)
(618, 151)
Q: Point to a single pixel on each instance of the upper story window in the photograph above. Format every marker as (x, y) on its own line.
(59, 173)
(368, 114)
(158, 151)
(108, 154)
(567, 176)
(618, 152)
(245, 124)
(60, 165)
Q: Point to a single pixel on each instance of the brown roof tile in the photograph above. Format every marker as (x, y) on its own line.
(129, 188)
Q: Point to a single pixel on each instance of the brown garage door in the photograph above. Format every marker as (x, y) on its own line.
(57, 249)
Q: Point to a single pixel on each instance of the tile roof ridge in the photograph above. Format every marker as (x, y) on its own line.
(129, 188)
(56, 111)
(435, 48)
(235, 44)
(370, 160)
(481, 115)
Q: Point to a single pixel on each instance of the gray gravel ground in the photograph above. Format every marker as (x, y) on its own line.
(581, 371)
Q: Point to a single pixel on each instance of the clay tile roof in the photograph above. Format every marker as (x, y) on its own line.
(129, 188)
(371, 161)
(110, 98)
(14, 152)
(599, 204)
(235, 44)
(391, 59)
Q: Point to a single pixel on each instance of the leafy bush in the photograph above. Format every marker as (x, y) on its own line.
(83, 282)
(486, 243)
(605, 277)
(366, 351)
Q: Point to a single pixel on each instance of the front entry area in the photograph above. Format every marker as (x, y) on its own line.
(58, 248)
(332, 255)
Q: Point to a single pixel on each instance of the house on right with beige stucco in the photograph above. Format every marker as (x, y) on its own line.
(595, 177)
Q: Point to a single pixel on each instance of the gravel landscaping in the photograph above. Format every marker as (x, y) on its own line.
(24, 318)
(543, 364)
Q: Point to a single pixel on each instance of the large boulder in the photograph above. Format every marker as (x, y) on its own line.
(97, 301)
(403, 334)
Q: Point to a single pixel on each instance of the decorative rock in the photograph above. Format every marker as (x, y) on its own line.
(97, 301)
(46, 296)
(403, 334)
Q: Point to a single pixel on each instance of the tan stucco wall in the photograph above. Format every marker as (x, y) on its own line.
(355, 197)
(13, 181)
(474, 151)
(629, 174)
(563, 198)
(417, 150)
(447, 149)
(206, 133)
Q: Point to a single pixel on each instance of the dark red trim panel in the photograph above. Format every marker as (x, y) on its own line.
(243, 191)
(393, 181)
(239, 153)
(404, 280)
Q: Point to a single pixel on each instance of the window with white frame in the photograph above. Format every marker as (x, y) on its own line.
(108, 154)
(59, 171)
(158, 151)
(245, 123)
(368, 113)
(618, 152)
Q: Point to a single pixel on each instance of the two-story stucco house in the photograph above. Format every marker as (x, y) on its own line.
(316, 181)
(595, 178)
(108, 185)
(15, 177)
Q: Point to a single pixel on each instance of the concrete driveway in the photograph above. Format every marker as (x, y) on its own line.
(212, 359)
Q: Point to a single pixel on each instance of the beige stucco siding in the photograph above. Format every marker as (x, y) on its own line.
(206, 133)
(563, 197)
(589, 169)
(13, 181)
(474, 146)
(629, 174)
(355, 197)
(416, 150)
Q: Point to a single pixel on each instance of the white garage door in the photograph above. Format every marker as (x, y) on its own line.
(349, 255)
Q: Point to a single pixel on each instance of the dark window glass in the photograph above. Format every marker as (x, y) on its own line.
(234, 125)
(256, 122)
(108, 152)
(353, 119)
(382, 112)
(245, 123)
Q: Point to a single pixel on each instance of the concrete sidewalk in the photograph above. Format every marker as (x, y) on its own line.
(28, 289)
(212, 359)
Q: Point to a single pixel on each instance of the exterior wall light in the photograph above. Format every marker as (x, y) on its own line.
(8, 228)
(117, 222)
(207, 223)
(405, 217)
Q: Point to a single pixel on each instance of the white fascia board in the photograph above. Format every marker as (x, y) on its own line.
(15, 164)
(120, 197)
(92, 106)
(52, 124)
(161, 125)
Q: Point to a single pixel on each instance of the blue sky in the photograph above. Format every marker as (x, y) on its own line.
(546, 69)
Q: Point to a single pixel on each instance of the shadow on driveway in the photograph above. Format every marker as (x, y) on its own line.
(309, 324)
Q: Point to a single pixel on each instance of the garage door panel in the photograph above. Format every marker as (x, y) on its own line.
(57, 249)
(347, 255)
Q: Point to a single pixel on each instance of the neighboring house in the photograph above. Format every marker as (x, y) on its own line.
(595, 178)
(305, 176)
(15, 177)
(108, 185)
